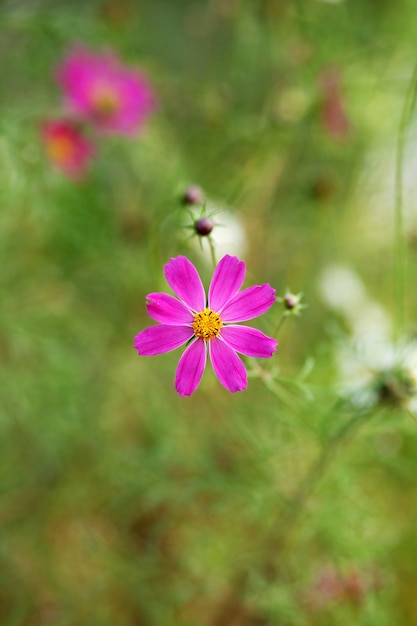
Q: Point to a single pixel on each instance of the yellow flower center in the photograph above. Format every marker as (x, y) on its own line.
(106, 100)
(60, 149)
(207, 324)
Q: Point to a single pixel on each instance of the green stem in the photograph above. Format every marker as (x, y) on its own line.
(400, 270)
(280, 323)
(212, 252)
(297, 504)
(319, 467)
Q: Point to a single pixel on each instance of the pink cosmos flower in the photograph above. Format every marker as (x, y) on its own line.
(207, 325)
(101, 90)
(67, 147)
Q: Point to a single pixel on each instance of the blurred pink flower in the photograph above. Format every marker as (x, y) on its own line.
(326, 589)
(333, 586)
(333, 113)
(208, 325)
(67, 147)
(101, 90)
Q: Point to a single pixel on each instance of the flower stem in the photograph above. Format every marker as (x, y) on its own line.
(400, 269)
(212, 252)
(271, 384)
(321, 464)
(280, 323)
(297, 504)
(276, 540)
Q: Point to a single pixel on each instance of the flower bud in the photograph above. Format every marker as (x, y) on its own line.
(204, 226)
(290, 301)
(193, 195)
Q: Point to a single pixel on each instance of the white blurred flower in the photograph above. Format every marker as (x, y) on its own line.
(372, 368)
(342, 289)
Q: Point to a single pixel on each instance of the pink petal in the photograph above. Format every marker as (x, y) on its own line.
(168, 310)
(185, 282)
(228, 367)
(249, 303)
(161, 338)
(190, 368)
(249, 341)
(227, 279)
(76, 74)
(137, 99)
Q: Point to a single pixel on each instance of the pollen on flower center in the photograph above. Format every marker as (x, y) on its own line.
(105, 100)
(207, 324)
(60, 148)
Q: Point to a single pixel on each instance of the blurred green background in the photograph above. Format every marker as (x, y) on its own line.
(120, 503)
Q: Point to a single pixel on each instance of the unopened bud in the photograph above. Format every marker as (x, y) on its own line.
(290, 301)
(204, 226)
(193, 195)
